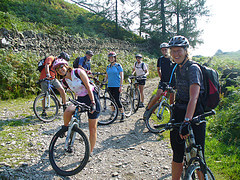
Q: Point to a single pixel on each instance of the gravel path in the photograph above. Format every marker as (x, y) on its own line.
(123, 151)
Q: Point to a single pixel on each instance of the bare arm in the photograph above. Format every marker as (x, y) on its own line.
(194, 94)
(159, 72)
(121, 81)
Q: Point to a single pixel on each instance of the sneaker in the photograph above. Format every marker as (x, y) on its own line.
(122, 118)
(141, 105)
(44, 113)
(145, 114)
(63, 134)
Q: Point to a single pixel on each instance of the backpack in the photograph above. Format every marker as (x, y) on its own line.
(41, 64)
(76, 62)
(210, 98)
(141, 65)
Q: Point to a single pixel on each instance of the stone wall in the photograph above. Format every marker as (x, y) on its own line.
(45, 44)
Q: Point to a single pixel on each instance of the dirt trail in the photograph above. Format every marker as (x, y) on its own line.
(123, 151)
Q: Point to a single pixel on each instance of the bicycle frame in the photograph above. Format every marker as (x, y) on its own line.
(161, 101)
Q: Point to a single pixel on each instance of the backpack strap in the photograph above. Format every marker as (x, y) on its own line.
(78, 76)
(65, 83)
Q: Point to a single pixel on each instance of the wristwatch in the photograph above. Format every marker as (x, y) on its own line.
(187, 119)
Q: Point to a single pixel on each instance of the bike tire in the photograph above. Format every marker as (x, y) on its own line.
(65, 162)
(154, 120)
(191, 173)
(135, 98)
(126, 103)
(69, 94)
(108, 112)
(51, 111)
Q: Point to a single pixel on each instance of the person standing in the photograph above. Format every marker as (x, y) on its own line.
(141, 70)
(84, 62)
(164, 70)
(190, 88)
(49, 73)
(114, 76)
(78, 81)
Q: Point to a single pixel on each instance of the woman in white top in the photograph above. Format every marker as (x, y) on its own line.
(77, 80)
(141, 71)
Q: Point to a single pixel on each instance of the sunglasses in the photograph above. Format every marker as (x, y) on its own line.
(60, 67)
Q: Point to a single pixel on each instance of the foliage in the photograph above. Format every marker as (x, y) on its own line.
(58, 17)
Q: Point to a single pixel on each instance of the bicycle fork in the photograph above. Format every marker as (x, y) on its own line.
(71, 135)
(160, 115)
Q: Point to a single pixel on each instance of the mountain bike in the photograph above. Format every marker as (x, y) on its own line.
(46, 105)
(69, 155)
(195, 166)
(160, 113)
(133, 91)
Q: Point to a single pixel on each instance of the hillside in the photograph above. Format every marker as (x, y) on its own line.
(58, 17)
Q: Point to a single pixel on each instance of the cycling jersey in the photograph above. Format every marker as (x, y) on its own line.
(113, 73)
(166, 67)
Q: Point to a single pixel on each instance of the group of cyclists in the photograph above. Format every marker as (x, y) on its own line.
(188, 82)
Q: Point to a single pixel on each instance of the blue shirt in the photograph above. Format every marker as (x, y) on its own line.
(85, 63)
(113, 73)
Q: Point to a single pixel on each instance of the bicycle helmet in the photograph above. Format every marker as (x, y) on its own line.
(112, 54)
(58, 62)
(90, 53)
(178, 41)
(64, 55)
(138, 55)
(164, 45)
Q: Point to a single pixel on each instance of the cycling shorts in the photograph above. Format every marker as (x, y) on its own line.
(141, 82)
(86, 99)
(54, 82)
(178, 144)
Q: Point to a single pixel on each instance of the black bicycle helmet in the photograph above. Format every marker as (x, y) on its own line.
(179, 41)
(64, 55)
(112, 54)
(164, 45)
(138, 55)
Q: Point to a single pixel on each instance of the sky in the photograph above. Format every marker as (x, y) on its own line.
(223, 29)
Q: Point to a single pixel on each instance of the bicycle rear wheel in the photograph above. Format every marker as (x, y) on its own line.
(109, 111)
(73, 159)
(192, 170)
(127, 104)
(156, 121)
(135, 97)
(51, 107)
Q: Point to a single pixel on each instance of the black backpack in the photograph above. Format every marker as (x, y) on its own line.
(41, 64)
(210, 98)
(76, 62)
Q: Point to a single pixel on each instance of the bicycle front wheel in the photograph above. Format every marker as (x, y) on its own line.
(109, 111)
(45, 107)
(194, 170)
(72, 158)
(158, 116)
(127, 104)
(135, 97)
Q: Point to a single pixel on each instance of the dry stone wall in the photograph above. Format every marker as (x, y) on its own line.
(45, 44)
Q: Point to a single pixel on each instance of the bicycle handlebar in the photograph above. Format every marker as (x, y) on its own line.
(196, 120)
(98, 73)
(78, 104)
(137, 77)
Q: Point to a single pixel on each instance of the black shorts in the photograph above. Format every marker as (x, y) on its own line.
(177, 144)
(141, 82)
(87, 101)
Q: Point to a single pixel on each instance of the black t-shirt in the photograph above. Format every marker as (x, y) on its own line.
(166, 67)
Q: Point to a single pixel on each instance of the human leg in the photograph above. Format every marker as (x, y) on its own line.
(92, 133)
(155, 99)
(67, 115)
(60, 89)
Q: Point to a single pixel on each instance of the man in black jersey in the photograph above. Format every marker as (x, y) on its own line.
(164, 69)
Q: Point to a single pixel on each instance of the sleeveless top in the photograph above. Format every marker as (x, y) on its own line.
(77, 85)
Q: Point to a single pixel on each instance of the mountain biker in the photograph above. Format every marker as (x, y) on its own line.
(84, 62)
(141, 70)
(189, 85)
(114, 75)
(49, 73)
(85, 94)
(164, 70)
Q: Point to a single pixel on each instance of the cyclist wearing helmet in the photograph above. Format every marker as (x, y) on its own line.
(84, 62)
(77, 80)
(164, 69)
(114, 75)
(141, 70)
(189, 85)
(49, 73)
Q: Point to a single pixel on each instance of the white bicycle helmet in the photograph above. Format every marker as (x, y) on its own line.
(178, 41)
(58, 62)
(164, 45)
